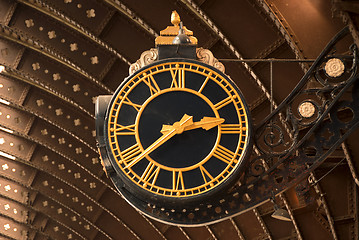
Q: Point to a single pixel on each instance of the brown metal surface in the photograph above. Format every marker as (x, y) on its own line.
(64, 53)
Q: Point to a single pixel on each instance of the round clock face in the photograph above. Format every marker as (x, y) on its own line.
(177, 129)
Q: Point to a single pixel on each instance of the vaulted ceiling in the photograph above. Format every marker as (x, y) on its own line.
(59, 55)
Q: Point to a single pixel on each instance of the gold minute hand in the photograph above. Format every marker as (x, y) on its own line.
(205, 123)
(176, 128)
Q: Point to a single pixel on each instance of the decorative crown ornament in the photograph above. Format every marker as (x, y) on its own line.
(167, 35)
(168, 39)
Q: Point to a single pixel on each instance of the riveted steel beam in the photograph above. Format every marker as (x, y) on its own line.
(57, 15)
(20, 38)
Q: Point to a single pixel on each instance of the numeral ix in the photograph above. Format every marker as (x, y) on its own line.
(125, 130)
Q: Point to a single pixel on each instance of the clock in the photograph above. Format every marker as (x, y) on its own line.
(176, 130)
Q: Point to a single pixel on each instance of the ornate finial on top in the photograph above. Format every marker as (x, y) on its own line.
(175, 18)
(167, 35)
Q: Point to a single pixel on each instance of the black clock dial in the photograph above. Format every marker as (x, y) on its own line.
(187, 148)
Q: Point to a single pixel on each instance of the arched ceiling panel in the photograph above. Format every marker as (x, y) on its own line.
(61, 54)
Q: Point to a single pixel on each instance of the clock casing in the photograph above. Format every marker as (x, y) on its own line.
(175, 131)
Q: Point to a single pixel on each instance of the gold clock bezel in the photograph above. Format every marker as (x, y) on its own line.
(178, 70)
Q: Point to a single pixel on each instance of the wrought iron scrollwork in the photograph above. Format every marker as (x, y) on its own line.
(309, 102)
(290, 143)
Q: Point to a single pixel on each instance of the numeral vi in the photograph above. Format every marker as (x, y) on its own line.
(178, 183)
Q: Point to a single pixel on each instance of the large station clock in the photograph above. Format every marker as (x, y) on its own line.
(176, 130)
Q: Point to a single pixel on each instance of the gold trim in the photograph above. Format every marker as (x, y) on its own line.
(167, 40)
(175, 18)
(173, 30)
(167, 35)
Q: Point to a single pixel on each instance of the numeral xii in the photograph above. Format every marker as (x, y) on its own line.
(178, 78)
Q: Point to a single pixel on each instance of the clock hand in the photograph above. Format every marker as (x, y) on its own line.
(205, 123)
(177, 128)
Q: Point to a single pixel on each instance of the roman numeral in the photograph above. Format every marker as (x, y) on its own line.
(125, 130)
(231, 128)
(223, 103)
(178, 183)
(152, 84)
(127, 101)
(224, 154)
(150, 174)
(204, 83)
(130, 154)
(205, 174)
(178, 78)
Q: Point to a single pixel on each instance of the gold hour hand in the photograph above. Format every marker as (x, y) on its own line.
(205, 123)
(176, 128)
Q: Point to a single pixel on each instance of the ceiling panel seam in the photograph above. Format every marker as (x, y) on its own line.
(57, 15)
(13, 73)
(88, 171)
(30, 188)
(20, 38)
(22, 108)
(318, 190)
(239, 233)
(27, 163)
(65, 157)
(350, 163)
(285, 29)
(122, 8)
(28, 225)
